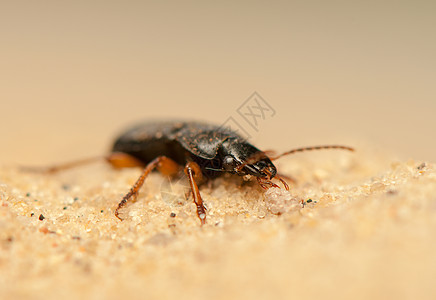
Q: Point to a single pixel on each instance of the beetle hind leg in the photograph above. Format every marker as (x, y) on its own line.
(63, 166)
(116, 159)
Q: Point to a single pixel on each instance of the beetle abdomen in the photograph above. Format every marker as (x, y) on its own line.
(150, 140)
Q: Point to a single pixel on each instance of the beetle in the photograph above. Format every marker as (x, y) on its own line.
(204, 151)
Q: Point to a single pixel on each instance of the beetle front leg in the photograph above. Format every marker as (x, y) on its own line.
(193, 171)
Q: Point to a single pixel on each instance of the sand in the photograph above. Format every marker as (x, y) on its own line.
(366, 230)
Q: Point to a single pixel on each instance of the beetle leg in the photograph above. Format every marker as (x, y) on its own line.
(120, 160)
(62, 167)
(116, 159)
(164, 164)
(193, 172)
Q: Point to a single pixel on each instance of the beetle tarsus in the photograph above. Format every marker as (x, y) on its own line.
(130, 194)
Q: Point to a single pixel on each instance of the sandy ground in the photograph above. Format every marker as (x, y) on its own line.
(366, 231)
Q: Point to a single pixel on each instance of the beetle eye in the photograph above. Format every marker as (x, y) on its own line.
(261, 164)
(229, 163)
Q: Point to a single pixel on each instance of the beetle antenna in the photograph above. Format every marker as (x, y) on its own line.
(312, 148)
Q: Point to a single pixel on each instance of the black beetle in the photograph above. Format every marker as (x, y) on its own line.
(205, 151)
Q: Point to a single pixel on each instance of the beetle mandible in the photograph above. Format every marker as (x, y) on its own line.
(204, 151)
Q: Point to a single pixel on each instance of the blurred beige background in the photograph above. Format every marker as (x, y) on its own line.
(74, 74)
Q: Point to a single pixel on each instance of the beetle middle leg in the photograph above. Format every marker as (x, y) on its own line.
(193, 172)
(164, 164)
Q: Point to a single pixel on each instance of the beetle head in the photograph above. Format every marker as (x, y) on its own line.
(242, 158)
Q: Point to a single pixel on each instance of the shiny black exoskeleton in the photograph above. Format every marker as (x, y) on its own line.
(215, 149)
